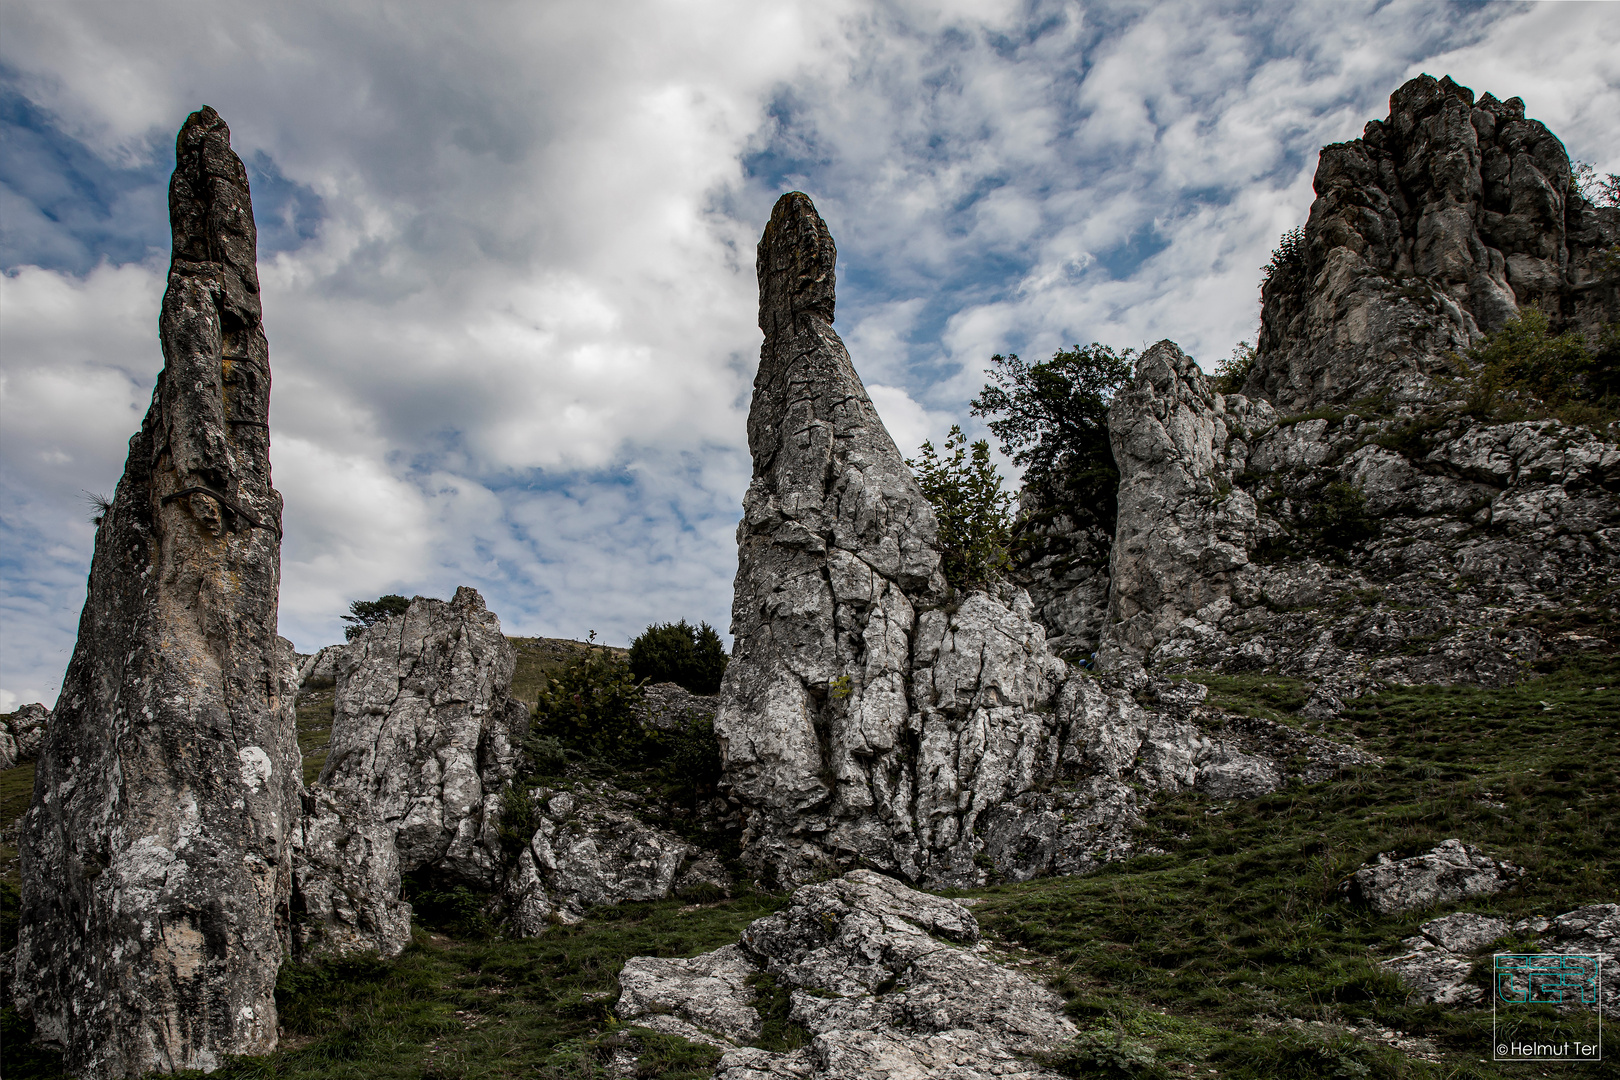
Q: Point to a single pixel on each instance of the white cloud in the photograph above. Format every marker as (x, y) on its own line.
(518, 352)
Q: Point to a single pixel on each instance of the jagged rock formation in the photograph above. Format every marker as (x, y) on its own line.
(22, 733)
(889, 982)
(1062, 561)
(593, 847)
(1391, 535)
(423, 736)
(156, 856)
(863, 717)
(1440, 222)
(858, 718)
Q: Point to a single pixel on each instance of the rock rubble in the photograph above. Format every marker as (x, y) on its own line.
(22, 733)
(156, 856)
(1449, 872)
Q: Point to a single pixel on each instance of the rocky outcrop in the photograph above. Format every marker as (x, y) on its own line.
(22, 733)
(422, 743)
(1410, 547)
(592, 847)
(319, 669)
(1450, 872)
(1061, 556)
(1441, 222)
(156, 857)
(887, 981)
(856, 713)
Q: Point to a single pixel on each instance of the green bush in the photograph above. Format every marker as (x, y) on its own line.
(1233, 372)
(974, 524)
(693, 657)
(1562, 371)
(594, 706)
(1110, 1055)
(693, 761)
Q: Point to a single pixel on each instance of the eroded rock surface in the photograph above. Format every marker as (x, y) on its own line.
(1450, 872)
(858, 718)
(1437, 961)
(1439, 223)
(156, 857)
(22, 733)
(593, 847)
(889, 982)
(1353, 551)
(422, 743)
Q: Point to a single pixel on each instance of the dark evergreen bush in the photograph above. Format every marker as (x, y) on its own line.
(693, 657)
(593, 706)
(365, 613)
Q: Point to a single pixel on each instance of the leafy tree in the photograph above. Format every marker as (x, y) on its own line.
(593, 706)
(692, 656)
(1287, 258)
(365, 613)
(1052, 418)
(974, 524)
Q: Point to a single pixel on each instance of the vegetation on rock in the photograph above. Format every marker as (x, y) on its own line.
(364, 613)
(974, 526)
(1578, 379)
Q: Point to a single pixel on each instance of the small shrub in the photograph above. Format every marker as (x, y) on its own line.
(1233, 372)
(1109, 1054)
(693, 657)
(693, 759)
(594, 706)
(1525, 359)
(545, 755)
(518, 820)
(974, 523)
(1287, 258)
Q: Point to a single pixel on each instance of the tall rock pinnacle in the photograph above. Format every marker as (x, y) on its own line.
(156, 854)
(859, 719)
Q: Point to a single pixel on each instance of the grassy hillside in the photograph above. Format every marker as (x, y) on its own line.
(1233, 953)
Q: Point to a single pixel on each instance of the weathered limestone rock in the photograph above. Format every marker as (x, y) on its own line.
(1411, 547)
(1185, 531)
(156, 857)
(319, 669)
(22, 733)
(1061, 560)
(592, 847)
(890, 982)
(860, 717)
(1440, 222)
(1452, 871)
(423, 734)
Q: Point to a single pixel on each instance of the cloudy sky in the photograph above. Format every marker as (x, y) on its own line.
(507, 249)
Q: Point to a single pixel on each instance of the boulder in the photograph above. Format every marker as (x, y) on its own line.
(21, 734)
(319, 670)
(888, 982)
(592, 847)
(423, 741)
(156, 856)
(1449, 872)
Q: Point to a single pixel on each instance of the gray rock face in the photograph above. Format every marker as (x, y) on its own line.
(320, 668)
(890, 982)
(423, 734)
(1440, 222)
(1063, 565)
(1415, 547)
(156, 857)
(593, 848)
(857, 717)
(1448, 873)
(22, 733)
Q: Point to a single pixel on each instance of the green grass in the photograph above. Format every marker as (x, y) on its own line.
(539, 659)
(16, 791)
(314, 709)
(1243, 917)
